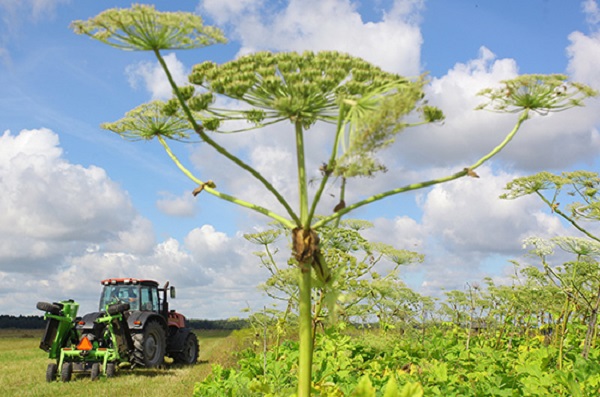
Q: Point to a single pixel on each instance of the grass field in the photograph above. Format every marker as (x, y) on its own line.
(23, 370)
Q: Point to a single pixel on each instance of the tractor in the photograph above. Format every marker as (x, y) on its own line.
(133, 327)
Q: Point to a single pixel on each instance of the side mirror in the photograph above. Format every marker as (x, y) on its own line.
(172, 292)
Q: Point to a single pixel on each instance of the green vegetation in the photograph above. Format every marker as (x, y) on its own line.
(367, 108)
(529, 338)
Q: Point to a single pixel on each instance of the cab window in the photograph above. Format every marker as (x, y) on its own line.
(149, 300)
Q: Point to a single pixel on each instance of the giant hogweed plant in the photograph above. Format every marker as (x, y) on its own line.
(579, 279)
(366, 106)
(359, 290)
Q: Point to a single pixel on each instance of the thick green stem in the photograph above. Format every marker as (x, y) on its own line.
(285, 222)
(200, 131)
(306, 340)
(305, 267)
(421, 185)
(302, 183)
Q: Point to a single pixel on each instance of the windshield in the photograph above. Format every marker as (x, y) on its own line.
(120, 294)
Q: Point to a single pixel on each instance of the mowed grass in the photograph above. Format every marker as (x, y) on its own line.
(23, 370)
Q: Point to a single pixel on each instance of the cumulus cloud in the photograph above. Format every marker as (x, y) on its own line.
(152, 76)
(393, 42)
(65, 227)
(52, 207)
(466, 231)
(584, 58)
(179, 206)
(554, 141)
(468, 215)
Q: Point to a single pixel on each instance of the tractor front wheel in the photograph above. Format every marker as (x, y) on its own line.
(95, 371)
(150, 345)
(111, 370)
(66, 372)
(189, 354)
(51, 372)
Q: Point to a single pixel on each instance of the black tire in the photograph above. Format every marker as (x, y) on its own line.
(51, 372)
(117, 308)
(95, 371)
(189, 354)
(111, 370)
(66, 372)
(48, 307)
(150, 345)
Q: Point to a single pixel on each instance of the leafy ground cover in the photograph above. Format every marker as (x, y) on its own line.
(377, 363)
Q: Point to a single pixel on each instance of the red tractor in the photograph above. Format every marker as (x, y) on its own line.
(155, 330)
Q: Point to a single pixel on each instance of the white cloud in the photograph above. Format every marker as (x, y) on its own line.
(51, 207)
(592, 11)
(206, 241)
(179, 206)
(402, 232)
(468, 215)
(554, 141)
(215, 276)
(138, 238)
(153, 78)
(584, 58)
(392, 43)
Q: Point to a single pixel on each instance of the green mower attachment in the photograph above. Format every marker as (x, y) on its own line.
(60, 329)
(97, 352)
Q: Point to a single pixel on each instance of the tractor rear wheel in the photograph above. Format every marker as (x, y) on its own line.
(189, 354)
(150, 345)
(51, 372)
(66, 372)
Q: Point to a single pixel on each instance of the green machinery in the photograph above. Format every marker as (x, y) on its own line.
(97, 353)
(133, 326)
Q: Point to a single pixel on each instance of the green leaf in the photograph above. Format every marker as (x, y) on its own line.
(411, 390)
(364, 388)
(391, 389)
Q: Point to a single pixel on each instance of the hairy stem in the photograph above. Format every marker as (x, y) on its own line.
(284, 221)
(200, 131)
(330, 164)
(302, 183)
(421, 185)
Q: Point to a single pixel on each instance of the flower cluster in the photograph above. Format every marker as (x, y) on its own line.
(539, 93)
(142, 28)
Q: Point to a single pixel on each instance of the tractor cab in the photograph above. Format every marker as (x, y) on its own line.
(142, 295)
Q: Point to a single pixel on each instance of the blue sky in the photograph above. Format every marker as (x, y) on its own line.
(80, 204)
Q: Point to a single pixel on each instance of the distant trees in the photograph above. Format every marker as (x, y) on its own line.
(21, 322)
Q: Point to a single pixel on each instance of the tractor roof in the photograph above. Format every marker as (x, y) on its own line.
(128, 281)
